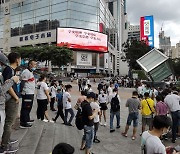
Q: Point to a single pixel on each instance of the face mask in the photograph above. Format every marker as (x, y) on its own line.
(33, 69)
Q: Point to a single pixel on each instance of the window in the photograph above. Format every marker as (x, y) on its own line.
(42, 11)
(58, 1)
(88, 2)
(59, 7)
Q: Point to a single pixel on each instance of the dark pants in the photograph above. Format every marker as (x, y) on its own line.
(80, 88)
(52, 103)
(96, 126)
(41, 108)
(11, 110)
(60, 113)
(175, 120)
(71, 112)
(27, 102)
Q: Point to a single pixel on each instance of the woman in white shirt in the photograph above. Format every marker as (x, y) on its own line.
(53, 92)
(103, 99)
(43, 99)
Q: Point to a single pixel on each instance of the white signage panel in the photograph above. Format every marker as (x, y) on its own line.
(84, 59)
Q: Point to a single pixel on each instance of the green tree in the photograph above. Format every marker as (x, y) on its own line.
(134, 50)
(175, 63)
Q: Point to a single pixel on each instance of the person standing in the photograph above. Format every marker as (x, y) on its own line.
(87, 116)
(172, 100)
(53, 91)
(28, 90)
(11, 108)
(115, 109)
(103, 99)
(43, 98)
(67, 105)
(80, 84)
(161, 107)
(133, 105)
(147, 111)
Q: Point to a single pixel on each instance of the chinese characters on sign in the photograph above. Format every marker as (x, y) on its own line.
(35, 36)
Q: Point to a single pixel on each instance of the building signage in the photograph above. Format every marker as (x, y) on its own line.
(84, 59)
(82, 39)
(147, 30)
(35, 36)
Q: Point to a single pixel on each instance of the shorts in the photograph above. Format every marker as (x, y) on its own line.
(147, 121)
(133, 117)
(103, 106)
(88, 136)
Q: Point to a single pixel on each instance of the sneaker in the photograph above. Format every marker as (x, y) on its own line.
(13, 141)
(45, 120)
(96, 140)
(118, 127)
(51, 121)
(30, 122)
(101, 123)
(105, 124)
(69, 124)
(25, 126)
(112, 130)
(10, 149)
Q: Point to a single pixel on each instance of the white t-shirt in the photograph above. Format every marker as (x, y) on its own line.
(153, 144)
(110, 91)
(29, 86)
(53, 91)
(94, 106)
(41, 87)
(102, 99)
(66, 103)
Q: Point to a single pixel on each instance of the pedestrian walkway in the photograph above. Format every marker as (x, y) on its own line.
(42, 137)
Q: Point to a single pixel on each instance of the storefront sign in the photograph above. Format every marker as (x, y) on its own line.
(84, 59)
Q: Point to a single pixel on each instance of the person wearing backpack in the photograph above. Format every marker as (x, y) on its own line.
(59, 98)
(147, 111)
(150, 141)
(161, 107)
(115, 109)
(134, 106)
(88, 116)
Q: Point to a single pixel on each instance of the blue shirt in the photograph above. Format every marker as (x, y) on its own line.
(59, 97)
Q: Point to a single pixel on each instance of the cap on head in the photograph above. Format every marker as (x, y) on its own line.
(3, 59)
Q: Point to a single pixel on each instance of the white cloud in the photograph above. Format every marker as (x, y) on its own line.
(165, 12)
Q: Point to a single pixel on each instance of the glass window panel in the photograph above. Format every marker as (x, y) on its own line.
(58, 1)
(42, 11)
(83, 16)
(40, 18)
(1, 34)
(42, 25)
(15, 18)
(88, 2)
(59, 7)
(28, 7)
(15, 10)
(59, 15)
(42, 3)
(83, 8)
(28, 21)
(27, 2)
(27, 15)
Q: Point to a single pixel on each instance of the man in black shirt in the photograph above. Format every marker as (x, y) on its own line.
(88, 116)
(11, 108)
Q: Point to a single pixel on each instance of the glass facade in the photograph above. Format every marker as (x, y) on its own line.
(33, 16)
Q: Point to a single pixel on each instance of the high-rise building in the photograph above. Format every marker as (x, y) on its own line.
(165, 43)
(175, 51)
(133, 32)
(35, 22)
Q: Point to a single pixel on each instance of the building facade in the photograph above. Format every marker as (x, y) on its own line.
(133, 32)
(165, 43)
(175, 50)
(35, 22)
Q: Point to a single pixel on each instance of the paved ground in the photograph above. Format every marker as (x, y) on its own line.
(42, 137)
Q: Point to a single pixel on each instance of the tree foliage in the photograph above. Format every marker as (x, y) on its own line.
(58, 56)
(175, 63)
(134, 50)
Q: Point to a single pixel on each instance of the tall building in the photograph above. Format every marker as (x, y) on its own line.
(175, 51)
(165, 43)
(35, 22)
(133, 32)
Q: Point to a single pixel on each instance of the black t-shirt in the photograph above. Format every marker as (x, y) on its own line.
(8, 73)
(87, 111)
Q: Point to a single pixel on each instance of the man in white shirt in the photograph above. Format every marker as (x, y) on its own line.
(173, 100)
(28, 90)
(67, 105)
(150, 141)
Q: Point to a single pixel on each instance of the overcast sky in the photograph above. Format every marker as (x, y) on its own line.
(165, 12)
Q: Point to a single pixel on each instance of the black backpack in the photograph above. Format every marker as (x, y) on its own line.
(115, 104)
(79, 119)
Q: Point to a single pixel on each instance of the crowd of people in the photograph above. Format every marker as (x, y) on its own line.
(159, 108)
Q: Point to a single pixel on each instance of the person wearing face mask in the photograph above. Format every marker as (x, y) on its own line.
(27, 91)
(11, 108)
(103, 99)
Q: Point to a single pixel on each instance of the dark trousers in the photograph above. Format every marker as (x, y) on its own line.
(96, 126)
(71, 112)
(27, 102)
(80, 88)
(11, 110)
(41, 108)
(175, 120)
(52, 103)
(60, 113)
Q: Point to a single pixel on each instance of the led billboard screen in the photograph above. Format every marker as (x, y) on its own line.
(82, 39)
(147, 30)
